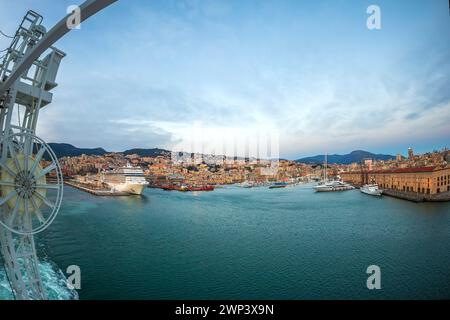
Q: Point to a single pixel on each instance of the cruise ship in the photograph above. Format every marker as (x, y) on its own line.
(126, 179)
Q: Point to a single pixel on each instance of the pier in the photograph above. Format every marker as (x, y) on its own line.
(96, 192)
(417, 197)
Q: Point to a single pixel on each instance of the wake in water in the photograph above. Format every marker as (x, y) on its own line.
(53, 279)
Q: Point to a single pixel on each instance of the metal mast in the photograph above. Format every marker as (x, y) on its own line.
(31, 184)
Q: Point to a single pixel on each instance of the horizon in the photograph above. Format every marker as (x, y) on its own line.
(312, 71)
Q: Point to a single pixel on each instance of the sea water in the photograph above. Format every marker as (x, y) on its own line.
(240, 243)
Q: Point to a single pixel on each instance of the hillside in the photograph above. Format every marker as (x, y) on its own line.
(354, 156)
(68, 150)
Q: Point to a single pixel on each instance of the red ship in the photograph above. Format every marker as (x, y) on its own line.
(201, 188)
(187, 188)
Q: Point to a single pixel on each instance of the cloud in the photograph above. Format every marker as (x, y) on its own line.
(140, 70)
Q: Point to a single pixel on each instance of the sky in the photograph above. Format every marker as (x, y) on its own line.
(144, 73)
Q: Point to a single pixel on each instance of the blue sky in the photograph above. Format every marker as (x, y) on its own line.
(141, 71)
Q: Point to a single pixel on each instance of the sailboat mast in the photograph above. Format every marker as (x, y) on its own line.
(326, 165)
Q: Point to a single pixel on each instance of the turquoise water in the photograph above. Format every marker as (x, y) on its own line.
(237, 243)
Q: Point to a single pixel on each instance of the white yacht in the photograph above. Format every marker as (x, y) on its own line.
(371, 189)
(333, 186)
(329, 186)
(127, 179)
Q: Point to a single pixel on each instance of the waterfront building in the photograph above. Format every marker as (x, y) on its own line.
(431, 180)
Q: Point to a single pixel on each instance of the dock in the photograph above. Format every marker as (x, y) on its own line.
(417, 197)
(96, 192)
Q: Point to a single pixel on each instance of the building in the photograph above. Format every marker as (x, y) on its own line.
(410, 153)
(423, 180)
(368, 163)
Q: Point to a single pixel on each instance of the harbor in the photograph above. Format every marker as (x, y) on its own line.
(257, 243)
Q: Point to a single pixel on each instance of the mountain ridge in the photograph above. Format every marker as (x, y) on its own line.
(69, 150)
(354, 156)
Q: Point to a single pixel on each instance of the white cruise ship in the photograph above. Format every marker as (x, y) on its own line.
(127, 179)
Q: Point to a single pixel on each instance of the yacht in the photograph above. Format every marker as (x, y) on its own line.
(333, 186)
(329, 186)
(126, 179)
(278, 185)
(371, 189)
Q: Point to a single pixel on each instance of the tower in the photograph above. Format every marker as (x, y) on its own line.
(410, 153)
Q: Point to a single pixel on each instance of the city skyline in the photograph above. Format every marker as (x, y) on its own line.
(312, 71)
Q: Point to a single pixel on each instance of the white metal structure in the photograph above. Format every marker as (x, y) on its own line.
(31, 185)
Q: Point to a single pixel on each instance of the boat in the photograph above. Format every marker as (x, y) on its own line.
(126, 179)
(330, 186)
(277, 185)
(200, 188)
(168, 187)
(184, 187)
(333, 186)
(371, 189)
(246, 184)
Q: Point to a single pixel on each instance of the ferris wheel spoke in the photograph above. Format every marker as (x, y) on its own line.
(27, 216)
(13, 215)
(47, 186)
(45, 200)
(8, 197)
(46, 170)
(37, 211)
(7, 184)
(8, 169)
(14, 155)
(37, 159)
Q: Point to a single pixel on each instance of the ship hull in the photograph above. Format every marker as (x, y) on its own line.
(371, 191)
(333, 188)
(130, 188)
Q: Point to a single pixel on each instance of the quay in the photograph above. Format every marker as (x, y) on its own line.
(417, 197)
(96, 192)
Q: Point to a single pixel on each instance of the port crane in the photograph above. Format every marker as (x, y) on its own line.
(31, 184)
